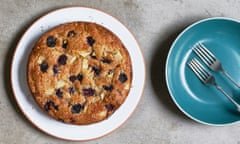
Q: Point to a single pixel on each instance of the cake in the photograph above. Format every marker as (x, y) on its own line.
(79, 73)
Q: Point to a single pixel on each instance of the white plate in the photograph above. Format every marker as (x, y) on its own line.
(19, 79)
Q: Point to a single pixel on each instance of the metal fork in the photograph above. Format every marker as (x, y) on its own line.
(211, 61)
(208, 79)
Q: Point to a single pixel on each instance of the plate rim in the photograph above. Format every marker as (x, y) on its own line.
(167, 73)
(21, 39)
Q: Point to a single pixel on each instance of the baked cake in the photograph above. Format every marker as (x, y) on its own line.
(79, 73)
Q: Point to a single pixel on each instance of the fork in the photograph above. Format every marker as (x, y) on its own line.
(207, 78)
(211, 61)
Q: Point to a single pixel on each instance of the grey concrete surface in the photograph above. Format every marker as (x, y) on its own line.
(155, 24)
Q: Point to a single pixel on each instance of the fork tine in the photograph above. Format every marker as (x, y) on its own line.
(194, 69)
(198, 69)
(197, 50)
(204, 54)
(210, 56)
(207, 51)
(201, 68)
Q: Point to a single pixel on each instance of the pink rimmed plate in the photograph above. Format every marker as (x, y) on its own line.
(19, 79)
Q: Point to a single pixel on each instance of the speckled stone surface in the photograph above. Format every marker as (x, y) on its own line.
(155, 24)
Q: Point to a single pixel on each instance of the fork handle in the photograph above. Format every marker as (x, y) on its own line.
(229, 97)
(230, 78)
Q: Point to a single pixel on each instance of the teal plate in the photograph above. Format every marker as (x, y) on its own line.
(202, 103)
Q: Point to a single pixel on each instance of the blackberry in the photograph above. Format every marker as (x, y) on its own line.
(64, 44)
(59, 93)
(96, 70)
(55, 69)
(108, 88)
(122, 77)
(71, 90)
(71, 33)
(90, 41)
(72, 78)
(51, 41)
(88, 92)
(80, 77)
(109, 107)
(62, 60)
(44, 66)
(77, 108)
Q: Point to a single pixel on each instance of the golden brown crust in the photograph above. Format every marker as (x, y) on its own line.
(79, 73)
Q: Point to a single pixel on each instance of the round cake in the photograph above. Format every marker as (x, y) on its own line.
(79, 73)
